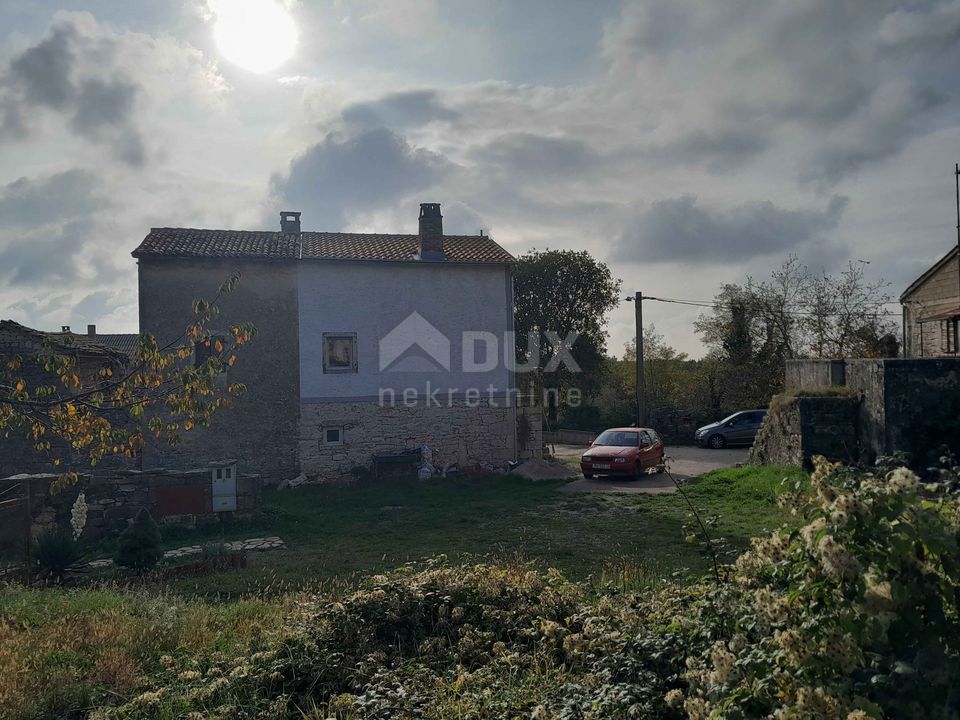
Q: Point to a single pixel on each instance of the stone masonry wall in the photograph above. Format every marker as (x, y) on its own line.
(18, 453)
(114, 500)
(797, 428)
(260, 429)
(465, 434)
(905, 405)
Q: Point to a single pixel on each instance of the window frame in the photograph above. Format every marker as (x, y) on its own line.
(326, 337)
(948, 335)
(327, 428)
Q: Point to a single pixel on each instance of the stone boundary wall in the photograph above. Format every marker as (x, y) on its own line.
(570, 437)
(906, 404)
(797, 428)
(114, 500)
(470, 435)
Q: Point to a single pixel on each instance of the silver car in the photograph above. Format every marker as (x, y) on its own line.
(738, 429)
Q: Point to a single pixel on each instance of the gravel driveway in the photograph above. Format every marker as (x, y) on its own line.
(684, 461)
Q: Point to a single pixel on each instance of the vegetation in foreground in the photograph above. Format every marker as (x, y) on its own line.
(851, 614)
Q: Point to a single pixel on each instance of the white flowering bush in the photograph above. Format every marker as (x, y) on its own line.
(78, 515)
(854, 614)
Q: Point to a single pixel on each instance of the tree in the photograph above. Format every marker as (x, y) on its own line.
(795, 313)
(561, 299)
(655, 347)
(847, 314)
(161, 391)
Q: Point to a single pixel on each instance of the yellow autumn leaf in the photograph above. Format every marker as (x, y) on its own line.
(19, 387)
(219, 346)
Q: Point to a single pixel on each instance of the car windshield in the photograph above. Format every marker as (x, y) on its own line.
(617, 437)
(728, 419)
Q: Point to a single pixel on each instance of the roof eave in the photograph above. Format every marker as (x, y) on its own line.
(930, 271)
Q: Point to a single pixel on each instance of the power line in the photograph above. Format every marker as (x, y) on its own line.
(714, 304)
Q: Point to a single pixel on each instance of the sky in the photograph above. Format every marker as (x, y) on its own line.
(686, 144)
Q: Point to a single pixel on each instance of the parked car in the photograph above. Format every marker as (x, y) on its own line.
(739, 429)
(623, 451)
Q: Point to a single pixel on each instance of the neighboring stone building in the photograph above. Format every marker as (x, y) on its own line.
(367, 344)
(855, 410)
(931, 310)
(92, 352)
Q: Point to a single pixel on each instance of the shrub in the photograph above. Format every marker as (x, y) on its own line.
(57, 553)
(139, 545)
(853, 615)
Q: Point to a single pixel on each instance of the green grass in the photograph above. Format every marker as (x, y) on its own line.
(336, 534)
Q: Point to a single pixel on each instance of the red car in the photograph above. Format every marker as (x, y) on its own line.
(623, 451)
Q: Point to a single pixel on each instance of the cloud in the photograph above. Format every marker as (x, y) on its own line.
(32, 202)
(733, 81)
(103, 114)
(74, 72)
(538, 156)
(399, 110)
(45, 224)
(680, 229)
(343, 175)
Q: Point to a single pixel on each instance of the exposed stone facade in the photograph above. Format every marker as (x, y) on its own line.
(797, 428)
(903, 405)
(462, 433)
(18, 453)
(931, 307)
(113, 500)
(260, 429)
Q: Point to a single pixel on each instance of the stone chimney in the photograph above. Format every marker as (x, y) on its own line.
(431, 232)
(91, 330)
(289, 222)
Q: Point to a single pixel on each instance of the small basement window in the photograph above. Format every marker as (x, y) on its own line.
(333, 436)
(339, 352)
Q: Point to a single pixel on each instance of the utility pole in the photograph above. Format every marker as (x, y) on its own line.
(637, 301)
(956, 175)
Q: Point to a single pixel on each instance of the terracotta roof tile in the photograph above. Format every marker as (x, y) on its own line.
(189, 242)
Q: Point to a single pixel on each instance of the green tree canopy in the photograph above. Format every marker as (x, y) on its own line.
(556, 293)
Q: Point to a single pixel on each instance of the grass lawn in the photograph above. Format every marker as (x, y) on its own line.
(335, 534)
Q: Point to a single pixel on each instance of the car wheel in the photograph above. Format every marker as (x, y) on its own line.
(588, 476)
(717, 442)
(638, 471)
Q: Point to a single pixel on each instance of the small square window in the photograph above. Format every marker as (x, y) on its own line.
(339, 352)
(332, 436)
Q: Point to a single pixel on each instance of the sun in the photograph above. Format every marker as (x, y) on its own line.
(257, 35)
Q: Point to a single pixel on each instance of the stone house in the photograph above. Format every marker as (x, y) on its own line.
(367, 345)
(931, 310)
(91, 352)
